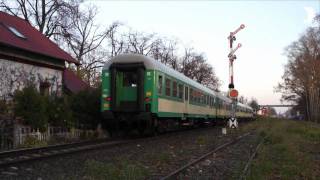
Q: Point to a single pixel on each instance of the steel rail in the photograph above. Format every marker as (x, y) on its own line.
(253, 155)
(176, 172)
(15, 157)
(31, 154)
(6, 154)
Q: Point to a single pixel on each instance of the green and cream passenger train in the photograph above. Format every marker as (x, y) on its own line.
(140, 92)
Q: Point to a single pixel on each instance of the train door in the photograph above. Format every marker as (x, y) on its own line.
(217, 106)
(186, 100)
(127, 87)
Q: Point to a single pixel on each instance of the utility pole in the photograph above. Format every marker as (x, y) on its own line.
(233, 93)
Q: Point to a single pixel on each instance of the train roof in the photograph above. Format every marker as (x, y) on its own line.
(244, 106)
(151, 63)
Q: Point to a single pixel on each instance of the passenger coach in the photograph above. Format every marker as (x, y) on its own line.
(140, 92)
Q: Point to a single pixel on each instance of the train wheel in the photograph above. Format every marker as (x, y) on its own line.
(161, 126)
(151, 127)
(154, 126)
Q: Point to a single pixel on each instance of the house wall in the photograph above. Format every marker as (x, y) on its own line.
(14, 75)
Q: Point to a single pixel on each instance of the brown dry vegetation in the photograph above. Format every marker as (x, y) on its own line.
(291, 150)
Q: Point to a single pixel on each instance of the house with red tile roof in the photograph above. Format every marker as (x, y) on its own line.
(26, 56)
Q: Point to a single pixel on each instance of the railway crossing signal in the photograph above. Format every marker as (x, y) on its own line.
(233, 93)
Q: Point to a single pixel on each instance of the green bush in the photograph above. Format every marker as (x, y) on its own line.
(32, 142)
(81, 110)
(59, 111)
(3, 107)
(85, 106)
(31, 106)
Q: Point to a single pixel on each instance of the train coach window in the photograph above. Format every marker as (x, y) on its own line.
(180, 91)
(160, 85)
(168, 87)
(186, 94)
(174, 89)
(191, 94)
(203, 99)
(199, 97)
(130, 79)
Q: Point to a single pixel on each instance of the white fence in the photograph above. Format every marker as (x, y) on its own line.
(21, 134)
(13, 134)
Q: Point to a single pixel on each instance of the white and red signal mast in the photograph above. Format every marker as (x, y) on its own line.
(233, 93)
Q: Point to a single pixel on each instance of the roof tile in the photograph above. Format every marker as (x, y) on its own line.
(72, 82)
(34, 42)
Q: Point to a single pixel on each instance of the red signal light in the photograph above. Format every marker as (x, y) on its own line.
(147, 99)
(108, 98)
(233, 93)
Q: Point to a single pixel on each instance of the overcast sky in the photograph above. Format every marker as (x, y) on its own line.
(205, 25)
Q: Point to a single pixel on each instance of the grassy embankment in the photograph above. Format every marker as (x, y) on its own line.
(291, 150)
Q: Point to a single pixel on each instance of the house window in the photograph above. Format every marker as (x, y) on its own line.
(160, 85)
(16, 32)
(174, 87)
(44, 88)
(180, 91)
(168, 88)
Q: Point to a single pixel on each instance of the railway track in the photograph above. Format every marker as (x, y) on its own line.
(247, 166)
(174, 174)
(14, 157)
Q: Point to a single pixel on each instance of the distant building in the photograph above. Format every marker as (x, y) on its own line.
(26, 55)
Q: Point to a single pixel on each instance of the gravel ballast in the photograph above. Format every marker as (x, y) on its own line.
(150, 158)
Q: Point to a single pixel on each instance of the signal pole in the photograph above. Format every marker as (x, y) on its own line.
(233, 93)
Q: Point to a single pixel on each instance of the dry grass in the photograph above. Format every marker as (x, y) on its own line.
(291, 150)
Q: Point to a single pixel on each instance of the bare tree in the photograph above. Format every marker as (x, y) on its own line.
(254, 105)
(84, 39)
(84, 36)
(195, 66)
(116, 43)
(301, 81)
(45, 15)
(140, 43)
(165, 51)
